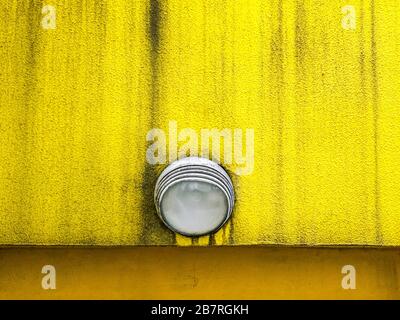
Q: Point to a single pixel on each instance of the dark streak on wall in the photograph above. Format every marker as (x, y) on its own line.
(153, 230)
(364, 103)
(375, 105)
(277, 75)
(30, 83)
(301, 102)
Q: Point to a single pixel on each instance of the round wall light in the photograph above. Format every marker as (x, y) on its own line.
(194, 196)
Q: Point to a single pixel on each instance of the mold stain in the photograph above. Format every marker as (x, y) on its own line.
(375, 105)
(153, 230)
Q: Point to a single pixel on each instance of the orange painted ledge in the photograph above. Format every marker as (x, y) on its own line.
(199, 273)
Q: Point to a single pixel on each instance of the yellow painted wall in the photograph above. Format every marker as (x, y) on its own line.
(76, 104)
(199, 273)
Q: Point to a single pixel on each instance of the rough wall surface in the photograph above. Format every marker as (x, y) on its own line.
(77, 101)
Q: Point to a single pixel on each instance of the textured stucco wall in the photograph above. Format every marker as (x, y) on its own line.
(76, 103)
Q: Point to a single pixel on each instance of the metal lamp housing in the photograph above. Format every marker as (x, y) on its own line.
(194, 196)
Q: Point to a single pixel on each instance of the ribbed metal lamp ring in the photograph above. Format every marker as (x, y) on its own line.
(194, 169)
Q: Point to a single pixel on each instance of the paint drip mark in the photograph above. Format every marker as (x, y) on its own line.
(195, 241)
(211, 240)
(231, 231)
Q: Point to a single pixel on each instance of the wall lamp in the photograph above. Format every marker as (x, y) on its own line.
(194, 196)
